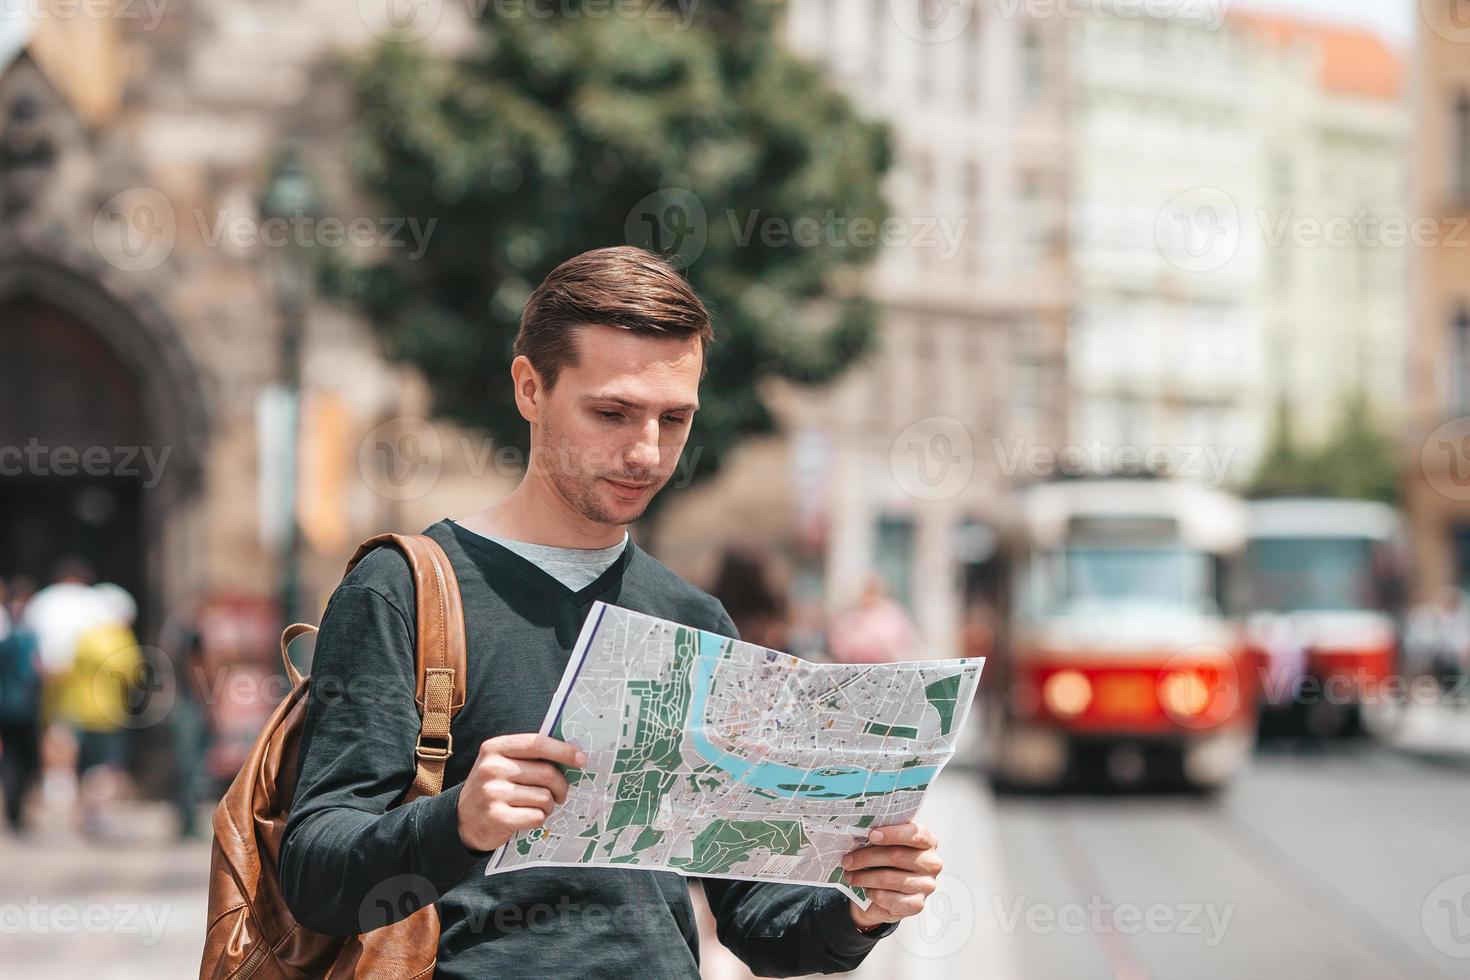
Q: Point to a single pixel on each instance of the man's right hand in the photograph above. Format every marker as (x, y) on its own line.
(513, 786)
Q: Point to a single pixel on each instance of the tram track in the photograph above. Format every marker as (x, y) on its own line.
(1335, 911)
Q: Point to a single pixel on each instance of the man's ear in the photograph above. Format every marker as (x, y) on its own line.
(528, 387)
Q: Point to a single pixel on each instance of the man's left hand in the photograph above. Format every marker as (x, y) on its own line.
(897, 870)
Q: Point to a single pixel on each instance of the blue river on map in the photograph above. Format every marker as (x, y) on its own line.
(775, 777)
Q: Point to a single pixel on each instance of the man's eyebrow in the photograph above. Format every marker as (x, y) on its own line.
(626, 403)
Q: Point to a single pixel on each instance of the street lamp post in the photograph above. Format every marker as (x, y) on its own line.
(290, 202)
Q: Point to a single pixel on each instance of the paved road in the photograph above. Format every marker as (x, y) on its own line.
(1348, 864)
(1342, 864)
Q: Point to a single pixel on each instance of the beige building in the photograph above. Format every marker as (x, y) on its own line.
(139, 325)
(905, 466)
(1332, 143)
(1165, 338)
(1437, 450)
(144, 349)
(1240, 206)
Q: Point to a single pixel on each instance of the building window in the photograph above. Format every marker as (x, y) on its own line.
(1461, 536)
(1460, 165)
(1281, 178)
(924, 198)
(878, 42)
(829, 27)
(1035, 232)
(925, 66)
(878, 388)
(1459, 387)
(970, 233)
(970, 55)
(1033, 64)
(893, 557)
(1027, 366)
(924, 343)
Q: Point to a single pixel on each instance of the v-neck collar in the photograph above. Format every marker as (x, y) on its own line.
(580, 597)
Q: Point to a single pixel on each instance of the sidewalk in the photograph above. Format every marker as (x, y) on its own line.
(1434, 731)
(132, 906)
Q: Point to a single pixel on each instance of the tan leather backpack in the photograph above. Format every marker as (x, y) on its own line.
(250, 931)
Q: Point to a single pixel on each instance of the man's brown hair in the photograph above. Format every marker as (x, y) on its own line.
(621, 286)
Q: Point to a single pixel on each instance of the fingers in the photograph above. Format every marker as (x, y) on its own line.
(517, 817)
(895, 905)
(494, 792)
(530, 745)
(890, 879)
(516, 794)
(908, 834)
(528, 773)
(895, 856)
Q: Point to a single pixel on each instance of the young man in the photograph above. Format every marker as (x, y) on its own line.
(607, 367)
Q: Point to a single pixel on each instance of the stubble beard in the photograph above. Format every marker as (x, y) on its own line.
(579, 489)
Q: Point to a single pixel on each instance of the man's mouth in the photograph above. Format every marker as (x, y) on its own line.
(629, 489)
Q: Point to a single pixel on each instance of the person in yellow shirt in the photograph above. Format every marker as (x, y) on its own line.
(93, 698)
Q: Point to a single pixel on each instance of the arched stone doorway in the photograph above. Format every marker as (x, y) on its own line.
(103, 425)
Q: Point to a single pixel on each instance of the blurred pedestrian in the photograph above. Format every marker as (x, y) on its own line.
(1437, 637)
(189, 732)
(979, 629)
(94, 697)
(56, 616)
(21, 590)
(875, 630)
(756, 606)
(59, 613)
(20, 712)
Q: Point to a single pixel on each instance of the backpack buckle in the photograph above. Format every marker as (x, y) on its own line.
(436, 753)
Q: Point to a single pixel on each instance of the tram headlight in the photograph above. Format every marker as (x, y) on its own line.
(1184, 693)
(1067, 693)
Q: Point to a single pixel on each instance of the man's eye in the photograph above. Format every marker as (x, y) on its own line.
(603, 414)
(675, 419)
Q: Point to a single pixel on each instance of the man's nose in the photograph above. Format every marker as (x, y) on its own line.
(643, 454)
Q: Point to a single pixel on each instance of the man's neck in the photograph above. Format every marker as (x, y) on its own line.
(534, 512)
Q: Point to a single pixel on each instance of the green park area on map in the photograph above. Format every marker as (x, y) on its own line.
(711, 756)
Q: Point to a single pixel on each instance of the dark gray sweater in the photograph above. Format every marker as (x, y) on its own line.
(351, 860)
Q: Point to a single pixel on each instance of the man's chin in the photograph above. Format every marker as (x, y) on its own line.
(618, 512)
(624, 512)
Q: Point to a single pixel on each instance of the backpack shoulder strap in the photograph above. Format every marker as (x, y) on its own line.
(440, 654)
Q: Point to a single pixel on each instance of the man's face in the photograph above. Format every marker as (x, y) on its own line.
(609, 435)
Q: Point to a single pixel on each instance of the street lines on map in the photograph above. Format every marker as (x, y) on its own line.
(713, 757)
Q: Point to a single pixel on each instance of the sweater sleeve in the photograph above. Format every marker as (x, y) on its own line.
(782, 930)
(350, 859)
(788, 930)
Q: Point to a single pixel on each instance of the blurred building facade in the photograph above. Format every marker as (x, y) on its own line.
(1331, 123)
(1241, 197)
(1437, 443)
(1136, 271)
(1166, 335)
(924, 441)
(1030, 302)
(141, 330)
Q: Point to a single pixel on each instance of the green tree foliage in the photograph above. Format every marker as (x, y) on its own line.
(542, 143)
(1357, 461)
